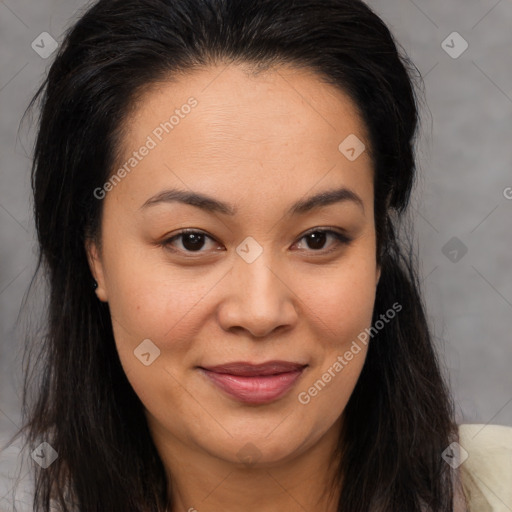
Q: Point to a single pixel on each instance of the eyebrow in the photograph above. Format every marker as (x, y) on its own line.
(207, 203)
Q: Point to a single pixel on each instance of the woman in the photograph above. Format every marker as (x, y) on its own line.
(233, 323)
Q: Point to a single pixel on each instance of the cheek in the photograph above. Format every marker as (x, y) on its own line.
(150, 304)
(341, 310)
(341, 300)
(344, 310)
(153, 300)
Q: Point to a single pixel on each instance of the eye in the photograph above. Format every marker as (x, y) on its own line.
(316, 239)
(191, 241)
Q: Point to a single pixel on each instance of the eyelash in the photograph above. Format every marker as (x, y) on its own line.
(341, 240)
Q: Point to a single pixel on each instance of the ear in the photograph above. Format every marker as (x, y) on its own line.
(96, 267)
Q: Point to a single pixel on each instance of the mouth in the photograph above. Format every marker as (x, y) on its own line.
(255, 383)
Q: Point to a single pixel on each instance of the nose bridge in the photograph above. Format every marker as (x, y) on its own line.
(260, 301)
(256, 276)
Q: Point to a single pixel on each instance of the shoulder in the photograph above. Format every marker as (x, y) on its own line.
(486, 466)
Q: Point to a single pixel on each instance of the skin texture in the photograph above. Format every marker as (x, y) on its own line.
(259, 143)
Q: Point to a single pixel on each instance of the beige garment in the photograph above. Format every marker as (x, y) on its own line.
(486, 473)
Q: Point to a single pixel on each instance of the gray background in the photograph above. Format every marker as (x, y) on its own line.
(465, 162)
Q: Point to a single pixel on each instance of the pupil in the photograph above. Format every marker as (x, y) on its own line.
(193, 241)
(317, 239)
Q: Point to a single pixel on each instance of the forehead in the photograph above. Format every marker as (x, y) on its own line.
(226, 130)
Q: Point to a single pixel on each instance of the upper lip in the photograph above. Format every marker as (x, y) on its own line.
(245, 369)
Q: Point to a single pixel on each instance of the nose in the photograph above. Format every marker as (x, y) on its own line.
(260, 299)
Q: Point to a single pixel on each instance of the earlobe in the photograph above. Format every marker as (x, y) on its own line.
(96, 267)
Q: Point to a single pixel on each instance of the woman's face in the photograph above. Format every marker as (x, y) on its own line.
(253, 285)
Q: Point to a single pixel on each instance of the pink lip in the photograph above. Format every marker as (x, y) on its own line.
(255, 384)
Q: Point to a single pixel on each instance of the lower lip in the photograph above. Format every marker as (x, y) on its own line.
(254, 390)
